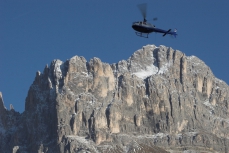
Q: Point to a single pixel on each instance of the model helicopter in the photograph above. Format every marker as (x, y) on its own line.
(144, 28)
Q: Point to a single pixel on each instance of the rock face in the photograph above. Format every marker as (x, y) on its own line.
(158, 98)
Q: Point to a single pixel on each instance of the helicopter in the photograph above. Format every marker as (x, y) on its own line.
(144, 28)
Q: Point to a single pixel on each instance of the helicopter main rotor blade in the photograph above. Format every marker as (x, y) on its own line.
(143, 8)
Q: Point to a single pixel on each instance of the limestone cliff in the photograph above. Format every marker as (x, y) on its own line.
(158, 98)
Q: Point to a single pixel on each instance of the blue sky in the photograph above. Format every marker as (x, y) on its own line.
(33, 33)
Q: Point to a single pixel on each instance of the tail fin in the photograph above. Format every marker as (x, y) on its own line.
(174, 33)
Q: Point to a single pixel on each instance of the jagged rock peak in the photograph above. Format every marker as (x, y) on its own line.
(150, 60)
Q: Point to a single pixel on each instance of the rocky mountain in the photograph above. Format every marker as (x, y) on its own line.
(159, 100)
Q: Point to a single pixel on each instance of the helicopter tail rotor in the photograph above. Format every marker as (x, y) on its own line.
(174, 33)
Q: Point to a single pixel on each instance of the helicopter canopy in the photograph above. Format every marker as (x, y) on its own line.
(142, 23)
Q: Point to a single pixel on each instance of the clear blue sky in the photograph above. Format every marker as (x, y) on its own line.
(34, 32)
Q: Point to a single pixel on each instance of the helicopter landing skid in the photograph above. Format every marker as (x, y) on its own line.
(140, 34)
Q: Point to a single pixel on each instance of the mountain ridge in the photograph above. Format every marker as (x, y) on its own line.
(159, 97)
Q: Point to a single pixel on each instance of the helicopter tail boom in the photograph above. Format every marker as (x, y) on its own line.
(166, 32)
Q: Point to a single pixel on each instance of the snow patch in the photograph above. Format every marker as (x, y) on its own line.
(207, 103)
(150, 70)
(57, 69)
(86, 74)
(164, 68)
(78, 138)
(159, 135)
(191, 57)
(155, 136)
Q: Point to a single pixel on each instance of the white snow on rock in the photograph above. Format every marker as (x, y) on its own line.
(57, 69)
(150, 70)
(191, 57)
(164, 68)
(78, 138)
(207, 103)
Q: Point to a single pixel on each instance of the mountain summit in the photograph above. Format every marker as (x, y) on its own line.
(158, 100)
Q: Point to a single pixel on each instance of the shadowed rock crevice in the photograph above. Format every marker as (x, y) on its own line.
(147, 86)
(108, 115)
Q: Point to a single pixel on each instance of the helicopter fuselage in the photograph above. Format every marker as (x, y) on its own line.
(145, 27)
